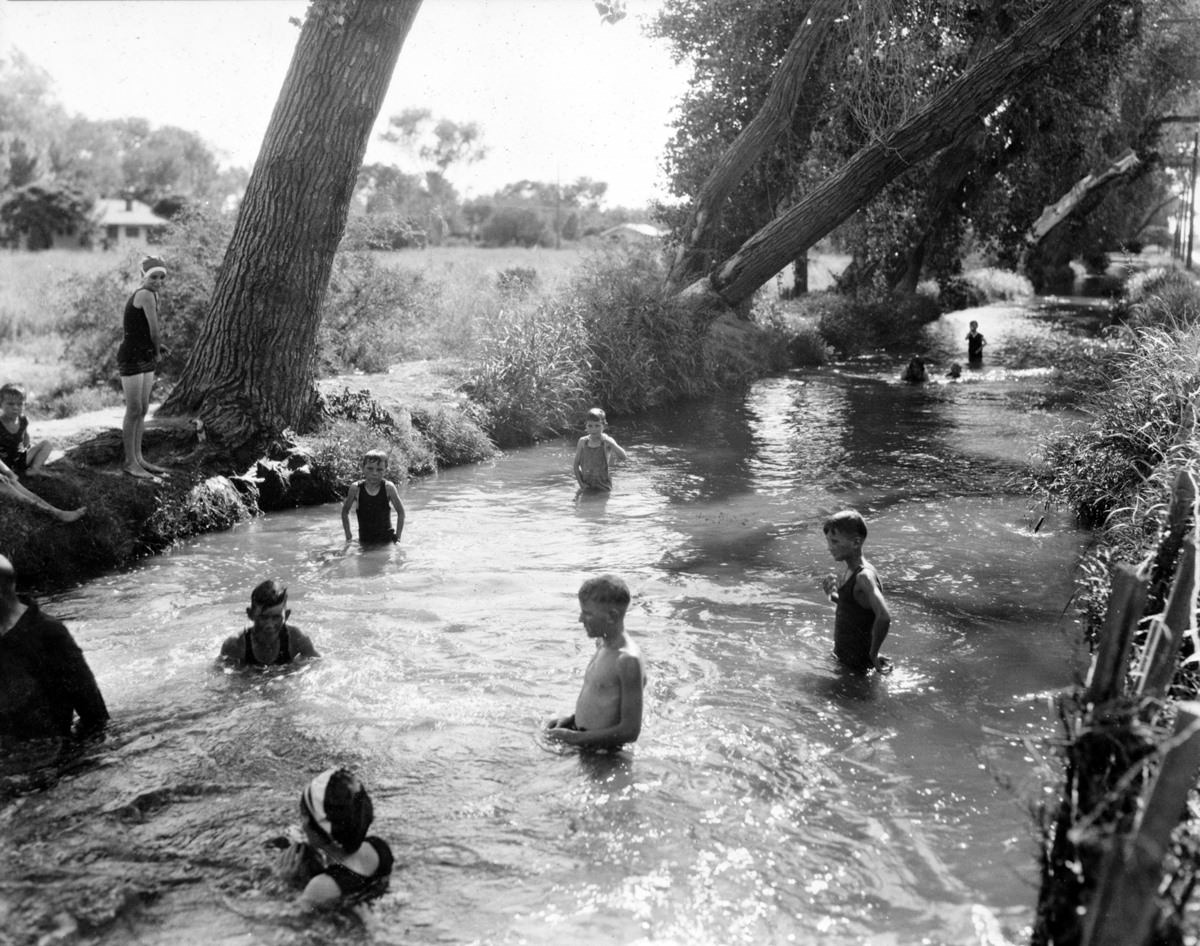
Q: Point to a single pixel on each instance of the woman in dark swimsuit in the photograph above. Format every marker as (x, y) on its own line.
(137, 359)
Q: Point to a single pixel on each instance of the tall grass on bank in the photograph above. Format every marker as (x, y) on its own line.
(1116, 471)
(612, 337)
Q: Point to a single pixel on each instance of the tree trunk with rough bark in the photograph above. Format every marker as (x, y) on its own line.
(775, 115)
(252, 371)
(947, 118)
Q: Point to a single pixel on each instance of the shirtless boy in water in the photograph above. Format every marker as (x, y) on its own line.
(608, 712)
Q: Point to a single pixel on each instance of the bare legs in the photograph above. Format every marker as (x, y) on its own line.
(137, 389)
(15, 489)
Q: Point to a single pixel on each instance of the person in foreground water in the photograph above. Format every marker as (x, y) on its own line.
(862, 619)
(270, 641)
(370, 498)
(608, 712)
(594, 454)
(337, 863)
(44, 680)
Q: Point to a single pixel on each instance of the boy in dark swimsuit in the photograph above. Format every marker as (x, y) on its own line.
(270, 641)
(594, 454)
(370, 497)
(862, 620)
(338, 864)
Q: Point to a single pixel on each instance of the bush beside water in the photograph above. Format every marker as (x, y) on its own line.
(1116, 470)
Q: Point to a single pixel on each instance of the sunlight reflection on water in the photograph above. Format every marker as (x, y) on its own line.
(771, 799)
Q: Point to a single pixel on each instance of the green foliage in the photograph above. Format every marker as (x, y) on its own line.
(517, 281)
(456, 437)
(956, 293)
(854, 325)
(998, 285)
(193, 248)
(37, 213)
(613, 337)
(1159, 297)
(532, 376)
(370, 314)
(1143, 417)
(515, 226)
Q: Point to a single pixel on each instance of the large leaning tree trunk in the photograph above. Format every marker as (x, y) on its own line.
(760, 134)
(948, 117)
(252, 371)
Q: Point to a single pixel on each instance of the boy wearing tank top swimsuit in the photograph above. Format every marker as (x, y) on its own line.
(370, 498)
(862, 619)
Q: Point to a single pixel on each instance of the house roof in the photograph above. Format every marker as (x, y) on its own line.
(111, 211)
(634, 229)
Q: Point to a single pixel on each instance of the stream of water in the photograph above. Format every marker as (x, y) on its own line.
(770, 799)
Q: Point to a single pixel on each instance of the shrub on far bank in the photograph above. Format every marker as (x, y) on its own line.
(994, 285)
(1115, 468)
(1163, 297)
(852, 325)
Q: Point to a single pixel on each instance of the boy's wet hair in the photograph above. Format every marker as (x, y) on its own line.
(338, 807)
(848, 521)
(269, 594)
(11, 390)
(371, 455)
(595, 414)
(605, 589)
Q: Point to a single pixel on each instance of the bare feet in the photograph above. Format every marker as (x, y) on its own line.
(155, 468)
(72, 514)
(140, 472)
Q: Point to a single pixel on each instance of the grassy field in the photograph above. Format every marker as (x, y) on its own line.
(467, 280)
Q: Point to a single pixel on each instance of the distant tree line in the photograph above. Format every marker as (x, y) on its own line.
(55, 166)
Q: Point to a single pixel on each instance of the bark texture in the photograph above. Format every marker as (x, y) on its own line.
(802, 56)
(947, 118)
(252, 371)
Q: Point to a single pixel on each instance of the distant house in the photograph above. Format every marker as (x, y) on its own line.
(636, 232)
(123, 222)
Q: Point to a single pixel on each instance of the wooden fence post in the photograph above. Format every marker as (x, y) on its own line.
(1166, 632)
(1126, 601)
(1125, 905)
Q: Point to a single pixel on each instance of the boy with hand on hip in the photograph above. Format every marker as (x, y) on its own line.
(608, 712)
(370, 498)
(595, 453)
(862, 620)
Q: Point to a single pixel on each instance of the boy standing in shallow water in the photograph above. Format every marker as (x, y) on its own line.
(594, 453)
(370, 497)
(862, 620)
(975, 343)
(608, 712)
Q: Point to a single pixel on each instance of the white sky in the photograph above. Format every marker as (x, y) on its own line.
(558, 93)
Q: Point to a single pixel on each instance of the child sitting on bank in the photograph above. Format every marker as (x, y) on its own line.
(595, 453)
(369, 497)
(608, 711)
(862, 619)
(337, 864)
(17, 452)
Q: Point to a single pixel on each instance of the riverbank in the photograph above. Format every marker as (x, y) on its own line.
(428, 425)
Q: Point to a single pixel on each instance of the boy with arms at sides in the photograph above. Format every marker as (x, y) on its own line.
(608, 712)
(370, 497)
(16, 450)
(595, 453)
(862, 620)
(270, 641)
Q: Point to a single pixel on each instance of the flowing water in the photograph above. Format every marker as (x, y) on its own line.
(770, 799)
